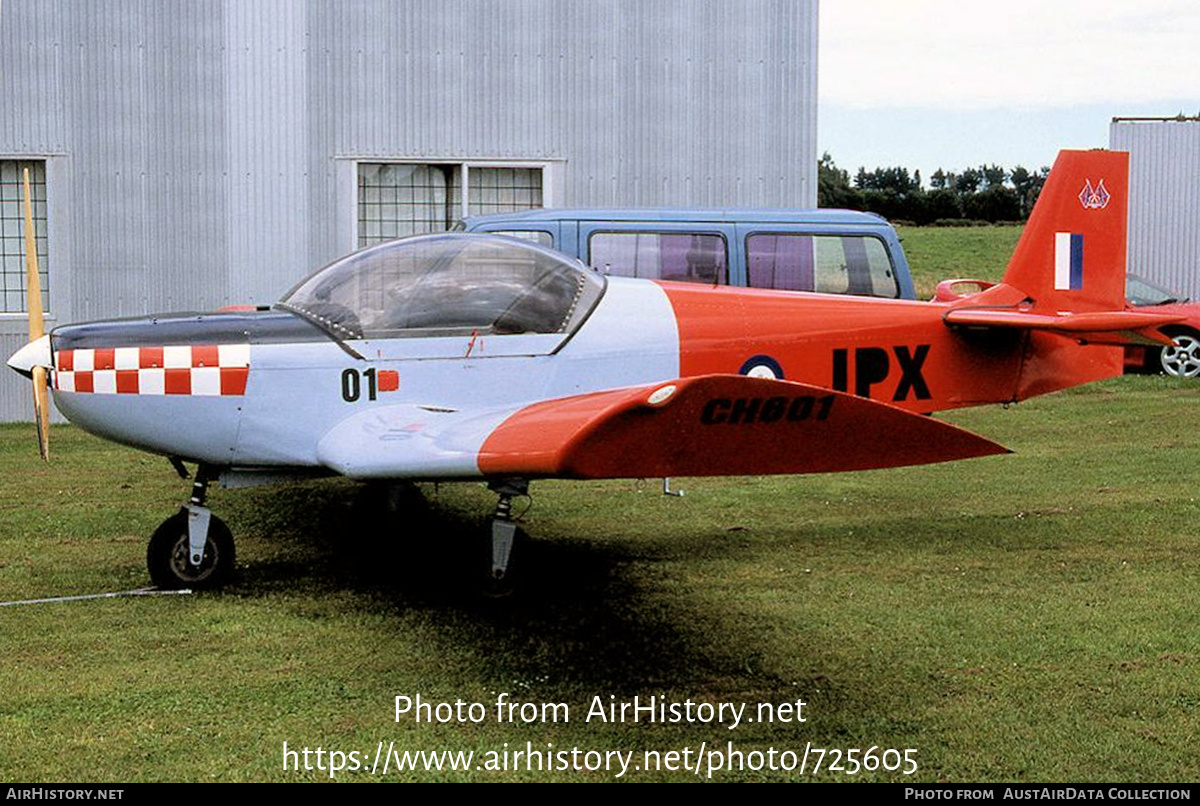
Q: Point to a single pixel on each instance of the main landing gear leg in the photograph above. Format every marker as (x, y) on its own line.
(193, 548)
(504, 528)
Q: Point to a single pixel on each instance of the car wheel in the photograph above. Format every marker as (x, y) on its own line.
(1182, 360)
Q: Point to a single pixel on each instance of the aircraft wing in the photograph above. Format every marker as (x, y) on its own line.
(714, 425)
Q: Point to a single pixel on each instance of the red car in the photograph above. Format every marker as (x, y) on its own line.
(1182, 360)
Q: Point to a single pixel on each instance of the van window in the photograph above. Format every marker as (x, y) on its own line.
(661, 256)
(537, 236)
(831, 264)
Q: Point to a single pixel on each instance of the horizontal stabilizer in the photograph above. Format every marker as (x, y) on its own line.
(718, 425)
(1095, 327)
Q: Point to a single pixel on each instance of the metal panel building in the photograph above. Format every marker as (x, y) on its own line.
(1164, 198)
(198, 153)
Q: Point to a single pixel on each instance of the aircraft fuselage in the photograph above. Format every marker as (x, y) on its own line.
(267, 388)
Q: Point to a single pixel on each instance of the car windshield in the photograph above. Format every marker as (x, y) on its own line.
(447, 284)
(1140, 292)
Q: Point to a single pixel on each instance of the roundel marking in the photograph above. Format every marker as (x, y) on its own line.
(762, 366)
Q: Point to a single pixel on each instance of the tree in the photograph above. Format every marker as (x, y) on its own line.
(943, 203)
(833, 186)
(1028, 186)
(998, 203)
(942, 180)
(993, 176)
(968, 182)
(892, 193)
(893, 180)
(986, 193)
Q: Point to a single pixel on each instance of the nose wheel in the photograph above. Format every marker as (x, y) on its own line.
(193, 548)
(169, 555)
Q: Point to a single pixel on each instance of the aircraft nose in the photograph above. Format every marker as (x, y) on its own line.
(34, 354)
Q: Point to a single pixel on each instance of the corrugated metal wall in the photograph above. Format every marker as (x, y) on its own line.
(648, 102)
(201, 152)
(125, 101)
(1164, 199)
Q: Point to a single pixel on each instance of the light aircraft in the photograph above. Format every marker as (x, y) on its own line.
(457, 356)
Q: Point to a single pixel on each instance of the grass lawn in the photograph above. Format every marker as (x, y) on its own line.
(1024, 618)
(943, 253)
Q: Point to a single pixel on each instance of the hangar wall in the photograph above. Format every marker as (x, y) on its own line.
(1164, 198)
(205, 152)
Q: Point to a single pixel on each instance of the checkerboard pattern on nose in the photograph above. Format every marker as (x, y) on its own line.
(201, 370)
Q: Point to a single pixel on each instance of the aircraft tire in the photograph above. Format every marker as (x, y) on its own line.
(167, 555)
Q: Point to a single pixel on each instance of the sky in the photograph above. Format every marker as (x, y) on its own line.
(923, 84)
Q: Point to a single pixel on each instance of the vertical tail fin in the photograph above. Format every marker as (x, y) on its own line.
(1071, 256)
(1065, 284)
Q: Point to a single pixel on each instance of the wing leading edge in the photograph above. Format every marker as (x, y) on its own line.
(718, 425)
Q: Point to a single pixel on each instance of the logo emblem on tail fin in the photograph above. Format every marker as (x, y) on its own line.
(1094, 198)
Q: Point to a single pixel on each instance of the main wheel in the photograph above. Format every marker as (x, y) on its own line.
(1182, 360)
(168, 553)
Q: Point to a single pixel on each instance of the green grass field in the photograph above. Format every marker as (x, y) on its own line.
(1025, 618)
(944, 253)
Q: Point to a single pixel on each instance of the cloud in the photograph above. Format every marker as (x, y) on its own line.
(951, 54)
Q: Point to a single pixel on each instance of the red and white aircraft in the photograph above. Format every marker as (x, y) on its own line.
(455, 356)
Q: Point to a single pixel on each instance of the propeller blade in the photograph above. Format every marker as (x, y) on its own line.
(41, 411)
(37, 327)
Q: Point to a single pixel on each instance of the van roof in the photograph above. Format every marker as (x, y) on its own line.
(735, 215)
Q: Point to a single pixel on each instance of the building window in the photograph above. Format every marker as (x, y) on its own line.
(12, 233)
(398, 199)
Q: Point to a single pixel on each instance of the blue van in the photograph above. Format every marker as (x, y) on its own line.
(829, 251)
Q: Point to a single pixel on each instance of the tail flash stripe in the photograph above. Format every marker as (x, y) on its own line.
(1068, 261)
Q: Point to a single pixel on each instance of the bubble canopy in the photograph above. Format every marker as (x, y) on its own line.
(446, 285)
